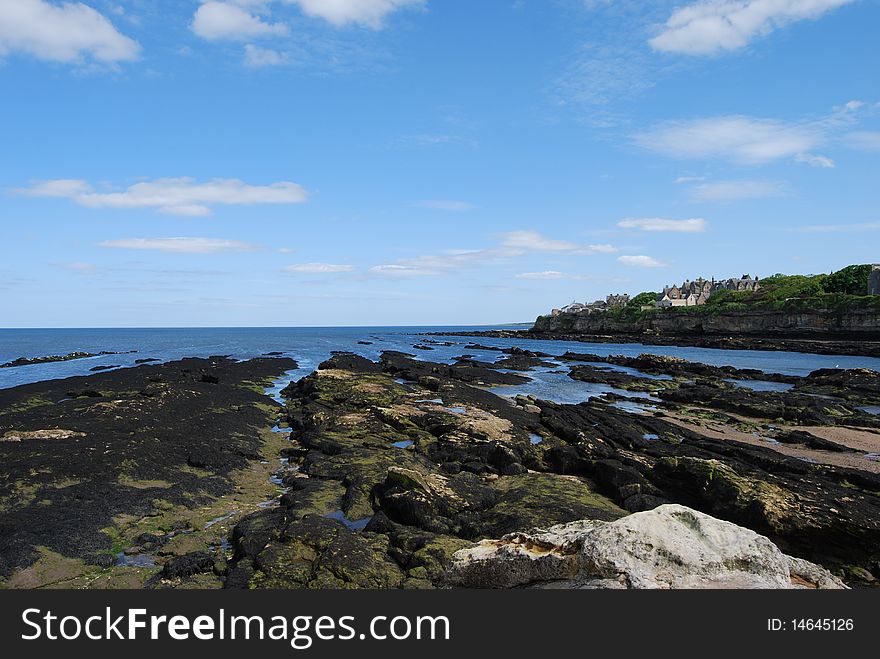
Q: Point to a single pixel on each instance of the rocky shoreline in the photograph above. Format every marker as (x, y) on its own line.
(51, 359)
(868, 346)
(395, 473)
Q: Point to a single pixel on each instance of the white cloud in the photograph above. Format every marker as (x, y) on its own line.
(740, 139)
(69, 32)
(712, 26)
(258, 57)
(815, 161)
(173, 196)
(736, 190)
(532, 240)
(427, 140)
(318, 268)
(397, 270)
(369, 13)
(657, 224)
(228, 20)
(543, 276)
(182, 245)
(517, 242)
(863, 140)
(80, 267)
(551, 275)
(446, 205)
(681, 180)
(58, 188)
(509, 245)
(840, 228)
(641, 262)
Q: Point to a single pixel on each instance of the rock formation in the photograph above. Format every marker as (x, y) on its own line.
(669, 547)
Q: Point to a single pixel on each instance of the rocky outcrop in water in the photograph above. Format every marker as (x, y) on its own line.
(30, 361)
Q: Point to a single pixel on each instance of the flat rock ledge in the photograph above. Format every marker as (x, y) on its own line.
(669, 547)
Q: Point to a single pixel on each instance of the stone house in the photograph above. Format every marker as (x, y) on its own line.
(616, 301)
(697, 292)
(874, 281)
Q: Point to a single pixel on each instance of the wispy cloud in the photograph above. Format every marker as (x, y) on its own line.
(318, 268)
(173, 196)
(79, 267)
(397, 270)
(641, 262)
(258, 57)
(552, 275)
(725, 191)
(525, 241)
(863, 140)
(740, 139)
(709, 27)
(68, 32)
(425, 140)
(182, 245)
(657, 224)
(745, 140)
(508, 246)
(840, 228)
(815, 161)
(446, 205)
(610, 66)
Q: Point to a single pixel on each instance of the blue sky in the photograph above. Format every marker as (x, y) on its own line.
(387, 162)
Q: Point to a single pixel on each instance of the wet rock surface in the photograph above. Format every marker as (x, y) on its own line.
(429, 461)
(131, 447)
(382, 471)
(30, 361)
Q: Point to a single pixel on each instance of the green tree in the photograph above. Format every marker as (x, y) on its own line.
(852, 280)
(643, 300)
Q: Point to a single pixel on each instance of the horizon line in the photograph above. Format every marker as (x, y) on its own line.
(273, 327)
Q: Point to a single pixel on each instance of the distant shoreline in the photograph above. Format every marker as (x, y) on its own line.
(820, 346)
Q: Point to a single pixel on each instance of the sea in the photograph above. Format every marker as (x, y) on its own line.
(312, 346)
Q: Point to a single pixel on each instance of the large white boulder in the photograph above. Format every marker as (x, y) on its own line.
(669, 547)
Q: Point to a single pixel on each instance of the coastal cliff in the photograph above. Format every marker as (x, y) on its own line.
(858, 324)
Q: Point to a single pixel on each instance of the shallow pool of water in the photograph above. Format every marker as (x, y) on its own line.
(634, 408)
(761, 385)
(354, 525)
(135, 560)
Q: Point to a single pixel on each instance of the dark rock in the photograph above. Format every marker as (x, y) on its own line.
(183, 567)
(811, 441)
(81, 491)
(105, 560)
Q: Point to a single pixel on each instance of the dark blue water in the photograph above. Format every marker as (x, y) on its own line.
(310, 346)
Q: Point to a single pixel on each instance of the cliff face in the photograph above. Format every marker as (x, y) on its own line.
(862, 324)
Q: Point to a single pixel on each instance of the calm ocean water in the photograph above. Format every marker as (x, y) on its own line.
(310, 346)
